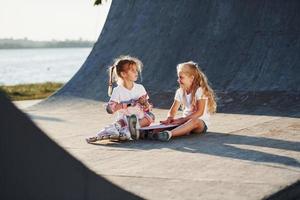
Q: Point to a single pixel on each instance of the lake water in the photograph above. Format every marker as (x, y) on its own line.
(40, 65)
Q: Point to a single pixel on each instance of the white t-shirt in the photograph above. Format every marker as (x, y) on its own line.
(121, 94)
(188, 107)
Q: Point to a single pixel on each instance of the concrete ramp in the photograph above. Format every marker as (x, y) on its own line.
(35, 167)
(248, 49)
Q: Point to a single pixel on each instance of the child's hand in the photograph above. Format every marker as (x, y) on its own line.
(169, 120)
(144, 103)
(143, 100)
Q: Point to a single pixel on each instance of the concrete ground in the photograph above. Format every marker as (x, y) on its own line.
(26, 103)
(241, 157)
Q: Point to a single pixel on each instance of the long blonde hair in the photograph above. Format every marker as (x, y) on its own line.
(200, 80)
(122, 64)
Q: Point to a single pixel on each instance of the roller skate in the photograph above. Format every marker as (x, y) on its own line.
(133, 126)
(111, 132)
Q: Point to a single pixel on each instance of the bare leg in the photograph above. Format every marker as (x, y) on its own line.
(144, 122)
(196, 125)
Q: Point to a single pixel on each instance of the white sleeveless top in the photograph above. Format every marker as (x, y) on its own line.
(188, 107)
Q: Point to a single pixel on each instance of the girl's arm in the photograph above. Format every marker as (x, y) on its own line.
(172, 112)
(200, 110)
(113, 106)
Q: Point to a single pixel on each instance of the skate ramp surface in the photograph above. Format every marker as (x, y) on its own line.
(247, 49)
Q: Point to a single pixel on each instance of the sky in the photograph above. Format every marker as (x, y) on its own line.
(52, 19)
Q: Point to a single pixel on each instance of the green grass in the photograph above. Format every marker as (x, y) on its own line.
(30, 91)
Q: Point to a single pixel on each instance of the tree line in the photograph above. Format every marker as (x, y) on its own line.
(25, 43)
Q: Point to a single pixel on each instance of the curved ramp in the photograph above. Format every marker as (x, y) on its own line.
(35, 167)
(248, 49)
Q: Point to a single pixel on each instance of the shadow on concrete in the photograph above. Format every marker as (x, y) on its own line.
(270, 103)
(35, 167)
(223, 145)
(291, 192)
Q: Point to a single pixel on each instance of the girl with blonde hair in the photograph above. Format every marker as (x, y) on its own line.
(197, 99)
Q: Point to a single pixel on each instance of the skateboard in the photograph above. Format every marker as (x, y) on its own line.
(146, 132)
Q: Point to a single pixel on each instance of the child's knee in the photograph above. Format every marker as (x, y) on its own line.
(196, 122)
(150, 117)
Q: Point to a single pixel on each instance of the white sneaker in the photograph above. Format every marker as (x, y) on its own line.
(164, 136)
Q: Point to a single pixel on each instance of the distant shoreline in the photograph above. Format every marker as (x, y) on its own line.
(44, 48)
(31, 44)
(30, 91)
